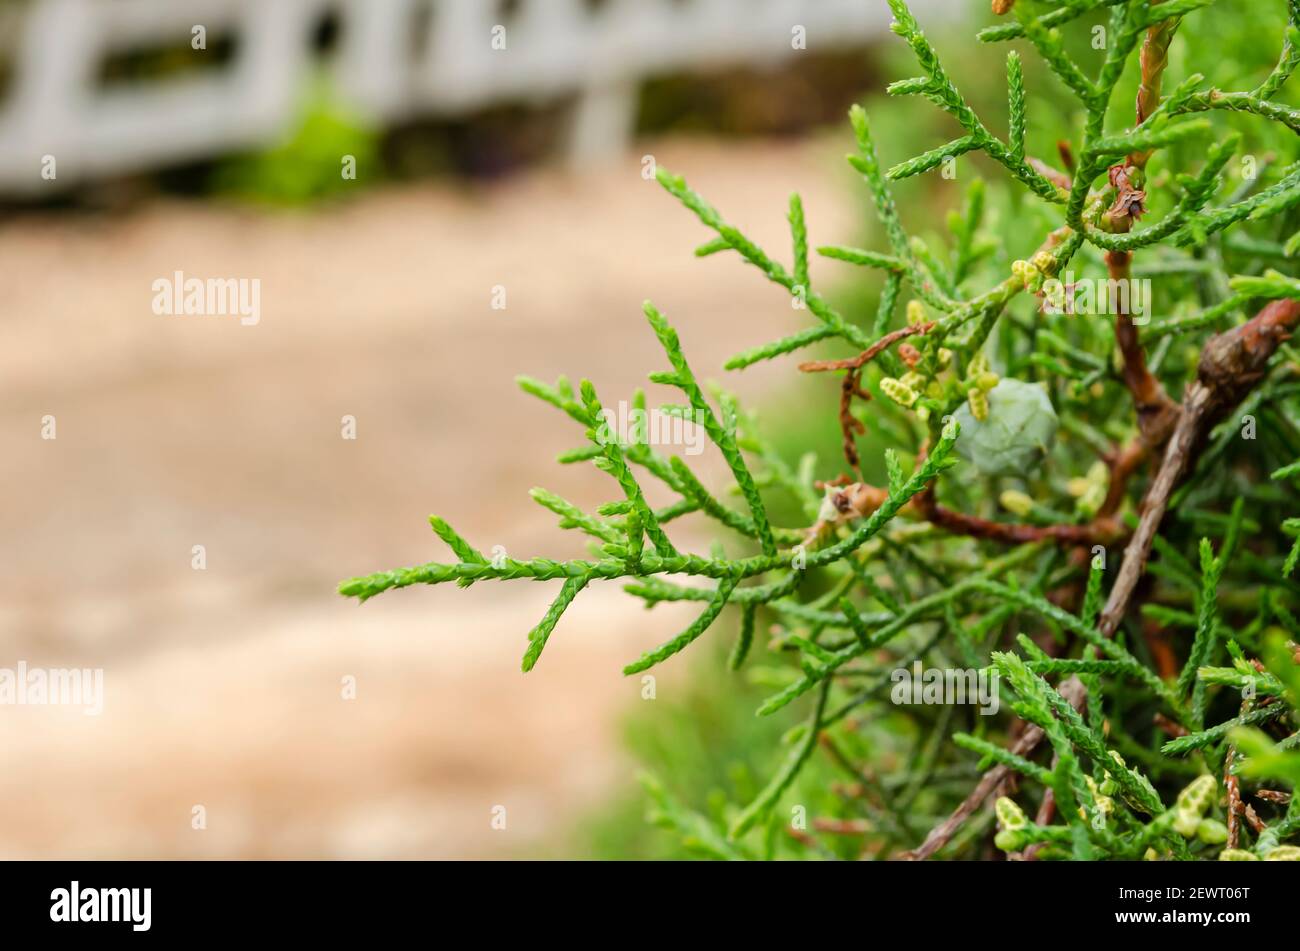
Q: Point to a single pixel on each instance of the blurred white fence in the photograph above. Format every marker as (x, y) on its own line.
(393, 59)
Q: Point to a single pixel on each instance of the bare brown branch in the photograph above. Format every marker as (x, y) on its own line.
(1231, 364)
(869, 354)
(1101, 531)
(1154, 58)
(1156, 411)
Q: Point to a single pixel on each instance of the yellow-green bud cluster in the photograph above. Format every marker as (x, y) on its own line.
(980, 380)
(1108, 784)
(912, 380)
(1031, 273)
(1090, 490)
(1191, 804)
(1024, 271)
(1013, 825)
(905, 390)
(1016, 502)
(1054, 295)
(1282, 853)
(1105, 805)
(898, 391)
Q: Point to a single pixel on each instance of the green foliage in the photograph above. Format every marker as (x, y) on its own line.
(1152, 724)
(307, 165)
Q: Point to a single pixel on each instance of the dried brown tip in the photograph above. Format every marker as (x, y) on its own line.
(1130, 201)
(859, 500)
(1003, 6)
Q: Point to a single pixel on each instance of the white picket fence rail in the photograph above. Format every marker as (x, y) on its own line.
(394, 59)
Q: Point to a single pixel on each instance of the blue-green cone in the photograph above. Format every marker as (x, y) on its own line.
(1017, 434)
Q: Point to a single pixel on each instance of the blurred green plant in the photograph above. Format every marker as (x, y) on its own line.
(329, 151)
(1130, 735)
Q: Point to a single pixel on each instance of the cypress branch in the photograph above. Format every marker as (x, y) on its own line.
(1003, 567)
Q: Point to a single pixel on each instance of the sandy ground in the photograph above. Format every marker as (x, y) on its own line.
(223, 686)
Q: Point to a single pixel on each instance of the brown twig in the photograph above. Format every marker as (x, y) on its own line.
(1231, 364)
(843, 826)
(1057, 178)
(850, 426)
(1101, 531)
(1252, 817)
(869, 354)
(1046, 812)
(1156, 411)
(1233, 784)
(1104, 529)
(1153, 59)
(1162, 652)
(1123, 463)
(840, 481)
(1169, 726)
(1066, 152)
(860, 500)
(803, 838)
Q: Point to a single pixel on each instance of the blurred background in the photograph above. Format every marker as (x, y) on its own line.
(499, 150)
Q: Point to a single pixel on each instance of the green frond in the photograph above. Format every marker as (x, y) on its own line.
(887, 565)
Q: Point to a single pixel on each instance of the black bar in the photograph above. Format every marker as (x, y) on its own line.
(331, 900)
